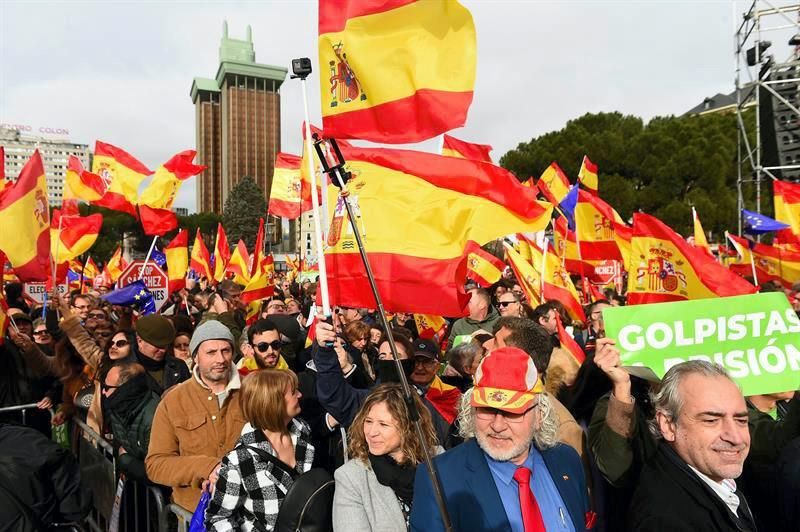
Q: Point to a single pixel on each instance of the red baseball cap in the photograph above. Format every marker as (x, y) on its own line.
(507, 380)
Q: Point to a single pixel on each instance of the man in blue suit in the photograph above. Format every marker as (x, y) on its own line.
(511, 473)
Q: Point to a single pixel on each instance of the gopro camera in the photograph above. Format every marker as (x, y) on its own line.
(301, 68)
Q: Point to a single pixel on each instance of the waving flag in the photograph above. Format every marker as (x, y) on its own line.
(201, 260)
(528, 277)
(594, 228)
(121, 173)
(758, 224)
(115, 265)
(566, 246)
(177, 253)
(290, 195)
(134, 295)
(483, 267)
(77, 235)
(430, 327)
(90, 269)
(258, 249)
(397, 72)
(569, 344)
(770, 263)
(80, 184)
(412, 210)
(222, 253)
(452, 147)
(239, 265)
(155, 204)
(787, 203)
(444, 398)
(622, 236)
(587, 175)
(553, 184)
(700, 240)
(262, 283)
(667, 268)
(25, 221)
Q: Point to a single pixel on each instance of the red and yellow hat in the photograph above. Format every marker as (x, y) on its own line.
(506, 380)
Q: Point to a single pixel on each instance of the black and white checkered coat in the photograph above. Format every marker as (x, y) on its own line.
(249, 489)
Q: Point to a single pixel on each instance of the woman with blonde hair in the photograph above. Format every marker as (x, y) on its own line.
(375, 488)
(274, 449)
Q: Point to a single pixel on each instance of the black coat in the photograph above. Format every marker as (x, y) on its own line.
(672, 498)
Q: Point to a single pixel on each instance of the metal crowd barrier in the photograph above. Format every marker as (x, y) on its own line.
(183, 516)
(21, 409)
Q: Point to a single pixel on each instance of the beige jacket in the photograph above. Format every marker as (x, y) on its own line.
(190, 435)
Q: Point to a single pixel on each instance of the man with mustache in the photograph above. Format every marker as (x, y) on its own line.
(199, 420)
(701, 422)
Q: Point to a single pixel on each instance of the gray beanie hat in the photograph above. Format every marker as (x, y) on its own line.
(209, 330)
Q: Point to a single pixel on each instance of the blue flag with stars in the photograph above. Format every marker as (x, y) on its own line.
(134, 295)
(568, 205)
(159, 258)
(758, 224)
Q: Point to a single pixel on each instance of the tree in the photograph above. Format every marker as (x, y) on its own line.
(662, 168)
(244, 206)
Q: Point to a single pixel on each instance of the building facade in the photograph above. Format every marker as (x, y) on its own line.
(238, 122)
(19, 143)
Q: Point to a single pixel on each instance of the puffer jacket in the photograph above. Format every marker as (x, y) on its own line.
(131, 430)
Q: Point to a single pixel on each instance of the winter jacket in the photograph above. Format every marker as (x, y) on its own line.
(131, 430)
(467, 325)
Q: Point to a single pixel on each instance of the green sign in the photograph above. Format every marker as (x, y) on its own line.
(755, 337)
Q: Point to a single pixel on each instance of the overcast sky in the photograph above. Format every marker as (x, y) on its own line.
(121, 71)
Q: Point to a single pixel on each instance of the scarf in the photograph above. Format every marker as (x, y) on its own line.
(150, 364)
(398, 477)
(128, 398)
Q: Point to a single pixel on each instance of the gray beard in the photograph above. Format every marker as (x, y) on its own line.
(503, 456)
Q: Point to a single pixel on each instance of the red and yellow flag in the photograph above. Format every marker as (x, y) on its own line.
(787, 203)
(258, 249)
(453, 147)
(262, 283)
(594, 228)
(553, 184)
(417, 213)
(177, 253)
(3, 317)
(700, 240)
(25, 219)
(430, 327)
(290, 195)
(77, 234)
(201, 259)
(155, 204)
(664, 267)
(80, 184)
(222, 254)
(528, 277)
(122, 174)
(566, 245)
(587, 175)
(622, 236)
(90, 269)
(115, 265)
(239, 265)
(569, 344)
(483, 267)
(398, 71)
(771, 263)
(444, 398)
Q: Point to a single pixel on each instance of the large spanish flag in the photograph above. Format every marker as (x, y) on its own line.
(25, 222)
(222, 253)
(483, 267)
(115, 265)
(239, 265)
(667, 268)
(76, 235)
(553, 184)
(594, 228)
(622, 236)
(288, 197)
(177, 253)
(395, 71)
(787, 203)
(201, 258)
(453, 147)
(587, 175)
(122, 173)
(155, 203)
(417, 213)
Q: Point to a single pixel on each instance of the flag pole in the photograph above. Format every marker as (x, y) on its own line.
(323, 273)
(544, 257)
(339, 178)
(55, 257)
(147, 258)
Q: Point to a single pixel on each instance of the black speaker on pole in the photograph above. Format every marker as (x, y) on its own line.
(780, 124)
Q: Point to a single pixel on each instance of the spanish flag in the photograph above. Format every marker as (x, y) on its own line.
(566, 246)
(452, 147)
(77, 234)
(90, 269)
(416, 213)
(483, 267)
(444, 398)
(587, 175)
(553, 184)
(528, 277)
(622, 236)
(430, 327)
(771, 263)
(569, 344)
(25, 221)
(80, 184)
(286, 197)
(177, 253)
(787, 203)
(155, 204)
(201, 259)
(395, 72)
(222, 254)
(594, 228)
(239, 265)
(258, 249)
(115, 265)
(262, 283)
(122, 174)
(667, 268)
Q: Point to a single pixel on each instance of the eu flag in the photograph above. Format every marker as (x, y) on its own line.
(568, 204)
(159, 257)
(758, 224)
(134, 295)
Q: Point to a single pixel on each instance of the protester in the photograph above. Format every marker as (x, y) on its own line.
(81, 304)
(375, 488)
(180, 347)
(511, 473)
(273, 449)
(14, 297)
(199, 420)
(363, 355)
(42, 336)
(462, 362)
(689, 484)
(482, 316)
(154, 336)
(508, 304)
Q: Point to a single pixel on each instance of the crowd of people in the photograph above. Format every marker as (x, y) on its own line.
(522, 436)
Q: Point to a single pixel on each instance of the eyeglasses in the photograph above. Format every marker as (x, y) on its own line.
(488, 414)
(504, 304)
(105, 386)
(96, 315)
(119, 344)
(424, 361)
(41, 333)
(262, 347)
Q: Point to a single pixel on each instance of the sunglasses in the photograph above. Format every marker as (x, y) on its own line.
(119, 344)
(105, 386)
(504, 304)
(97, 315)
(40, 333)
(262, 347)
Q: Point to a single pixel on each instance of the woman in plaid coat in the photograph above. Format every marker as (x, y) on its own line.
(274, 448)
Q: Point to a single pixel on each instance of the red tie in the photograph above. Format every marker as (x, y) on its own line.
(531, 516)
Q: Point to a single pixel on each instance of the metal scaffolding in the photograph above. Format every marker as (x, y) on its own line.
(765, 76)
